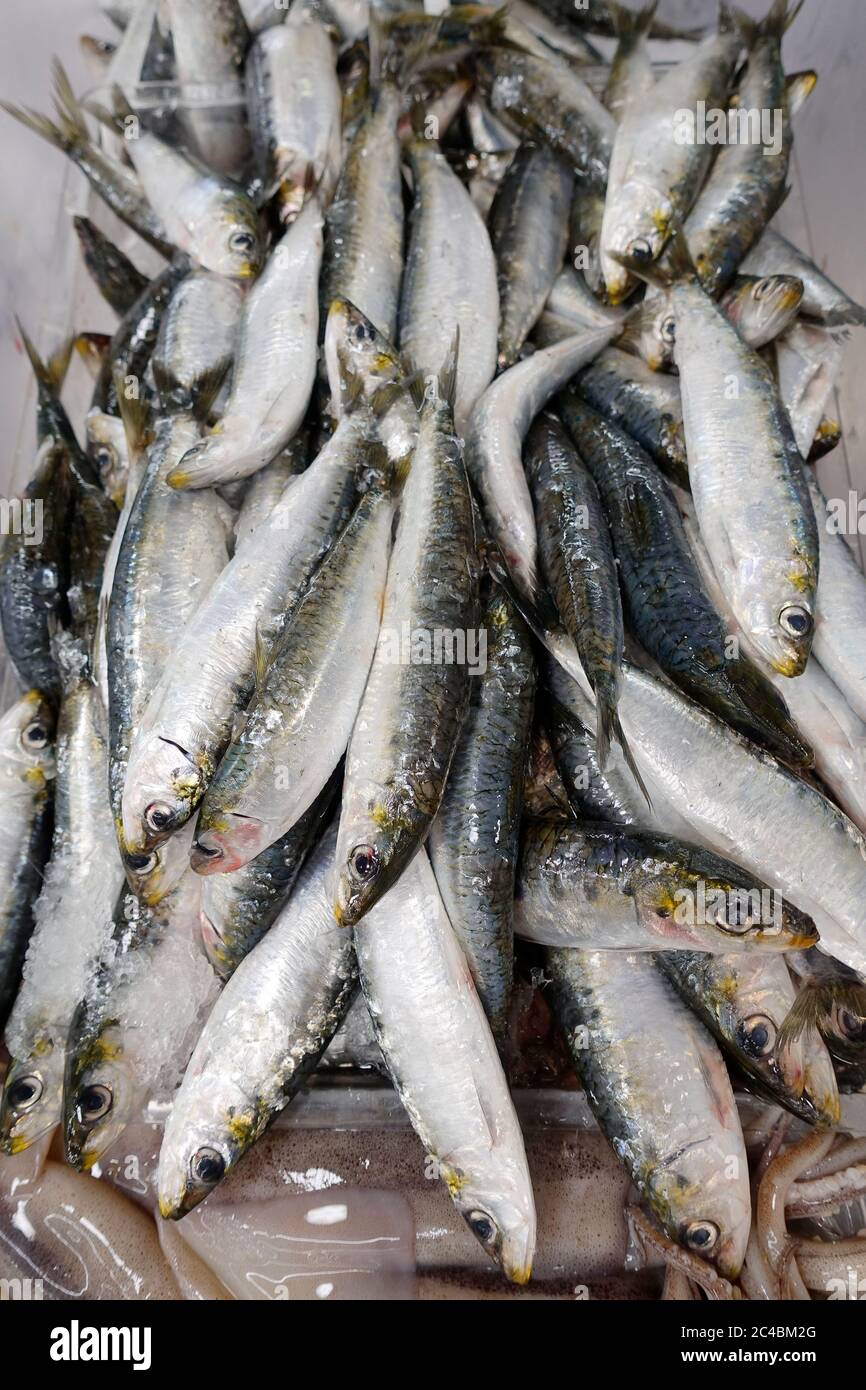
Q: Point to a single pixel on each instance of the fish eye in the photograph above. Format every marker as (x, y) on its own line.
(242, 242)
(640, 249)
(207, 1166)
(93, 1104)
(701, 1236)
(762, 289)
(24, 1092)
(482, 1226)
(364, 863)
(105, 458)
(736, 915)
(757, 1035)
(142, 864)
(668, 329)
(35, 735)
(158, 816)
(795, 620)
(851, 1025)
(361, 332)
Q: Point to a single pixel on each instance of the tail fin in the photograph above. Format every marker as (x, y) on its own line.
(610, 727)
(631, 25)
(50, 374)
(137, 423)
(817, 1004)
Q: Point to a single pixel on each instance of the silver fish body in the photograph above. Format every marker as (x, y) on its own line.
(275, 363)
(209, 680)
(450, 281)
(266, 1033)
(668, 1110)
(441, 1056)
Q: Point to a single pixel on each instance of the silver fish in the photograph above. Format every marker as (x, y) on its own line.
(440, 1053)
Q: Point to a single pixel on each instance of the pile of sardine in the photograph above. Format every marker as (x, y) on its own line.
(441, 562)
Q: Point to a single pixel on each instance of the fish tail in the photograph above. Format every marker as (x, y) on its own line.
(67, 106)
(769, 711)
(198, 396)
(50, 374)
(43, 126)
(815, 1005)
(632, 24)
(135, 417)
(779, 18)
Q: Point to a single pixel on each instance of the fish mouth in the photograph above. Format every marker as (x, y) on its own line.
(207, 856)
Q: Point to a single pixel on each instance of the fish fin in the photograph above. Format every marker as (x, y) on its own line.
(779, 18)
(764, 702)
(617, 732)
(448, 370)
(56, 135)
(260, 661)
(50, 374)
(673, 266)
(799, 86)
(812, 1011)
(41, 371)
(67, 105)
(135, 417)
(199, 396)
(629, 23)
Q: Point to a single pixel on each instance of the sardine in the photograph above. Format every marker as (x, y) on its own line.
(132, 1034)
(529, 231)
(208, 681)
(238, 908)
(27, 770)
(495, 437)
(450, 281)
(614, 887)
(474, 838)
(305, 704)
(669, 610)
(440, 1053)
(294, 101)
(823, 299)
(667, 1109)
(408, 725)
(267, 1031)
(210, 40)
(577, 560)
(744, 1004)
(275, 363)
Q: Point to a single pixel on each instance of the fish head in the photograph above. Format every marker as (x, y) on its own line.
(637, 236)
(356, 349)
(210, 460)
(658, 332)
(154, 873)
(107, 448)
(718, 914)
(373, 848)
(780, 612)
(163, 788)
(27, 744)
(501, 1217)
(763, 308)
(233, 244)
(100, 1099)
(226, 841)
(701, 1194)
(32, 1095)
(203, 1141)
